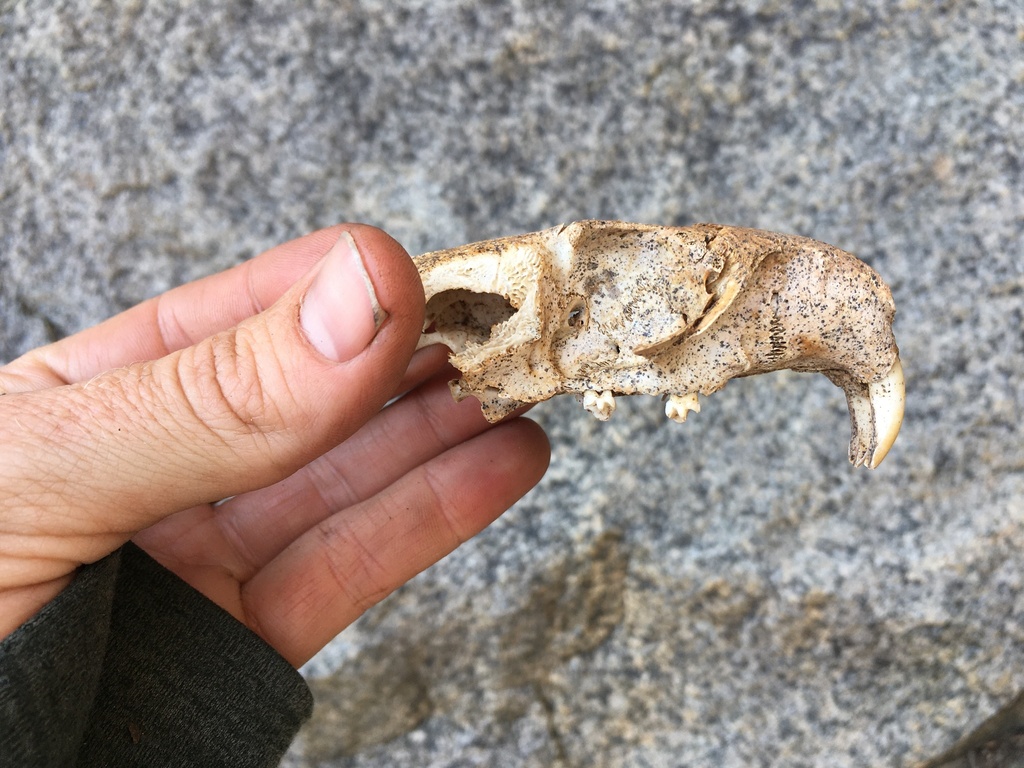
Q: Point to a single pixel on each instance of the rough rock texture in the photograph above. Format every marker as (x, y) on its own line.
(725, 593)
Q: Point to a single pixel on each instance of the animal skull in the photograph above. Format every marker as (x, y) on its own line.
(605, 308)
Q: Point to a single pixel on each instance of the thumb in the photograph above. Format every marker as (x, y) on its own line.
(239, 410)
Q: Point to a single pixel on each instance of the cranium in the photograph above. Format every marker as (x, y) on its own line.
(606, 308)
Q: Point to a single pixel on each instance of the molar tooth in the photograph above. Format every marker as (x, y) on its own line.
(677, 407)
(600, 404)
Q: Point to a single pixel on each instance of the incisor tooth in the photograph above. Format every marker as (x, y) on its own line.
(887, 399)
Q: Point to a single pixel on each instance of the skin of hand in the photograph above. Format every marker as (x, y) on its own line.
(235, 428)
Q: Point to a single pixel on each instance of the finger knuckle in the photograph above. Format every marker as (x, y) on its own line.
(226, 387)
(352, 566)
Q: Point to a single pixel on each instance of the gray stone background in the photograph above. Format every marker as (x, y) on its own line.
(726, 593)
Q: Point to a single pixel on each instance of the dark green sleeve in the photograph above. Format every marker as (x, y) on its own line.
(131, 666)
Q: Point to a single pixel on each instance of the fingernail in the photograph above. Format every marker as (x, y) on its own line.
(340, 313)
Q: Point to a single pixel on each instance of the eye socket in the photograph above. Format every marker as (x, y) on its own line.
(576, 315)
(465, 313)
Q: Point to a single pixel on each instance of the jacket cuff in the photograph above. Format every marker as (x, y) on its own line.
(184, 682)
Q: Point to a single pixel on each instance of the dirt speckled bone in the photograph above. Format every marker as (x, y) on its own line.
(606, 308)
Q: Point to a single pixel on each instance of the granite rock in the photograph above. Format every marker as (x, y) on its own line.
(724, 593)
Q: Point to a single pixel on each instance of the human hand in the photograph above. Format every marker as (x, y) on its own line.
(262, 386)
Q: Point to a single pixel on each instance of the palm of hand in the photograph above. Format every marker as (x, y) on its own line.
(343, 532)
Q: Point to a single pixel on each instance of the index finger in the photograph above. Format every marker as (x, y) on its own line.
(176, 319)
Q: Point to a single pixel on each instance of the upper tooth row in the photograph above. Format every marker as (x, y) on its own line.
(602, 405)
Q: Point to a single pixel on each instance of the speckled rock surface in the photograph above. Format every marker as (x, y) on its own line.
(725, 593)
